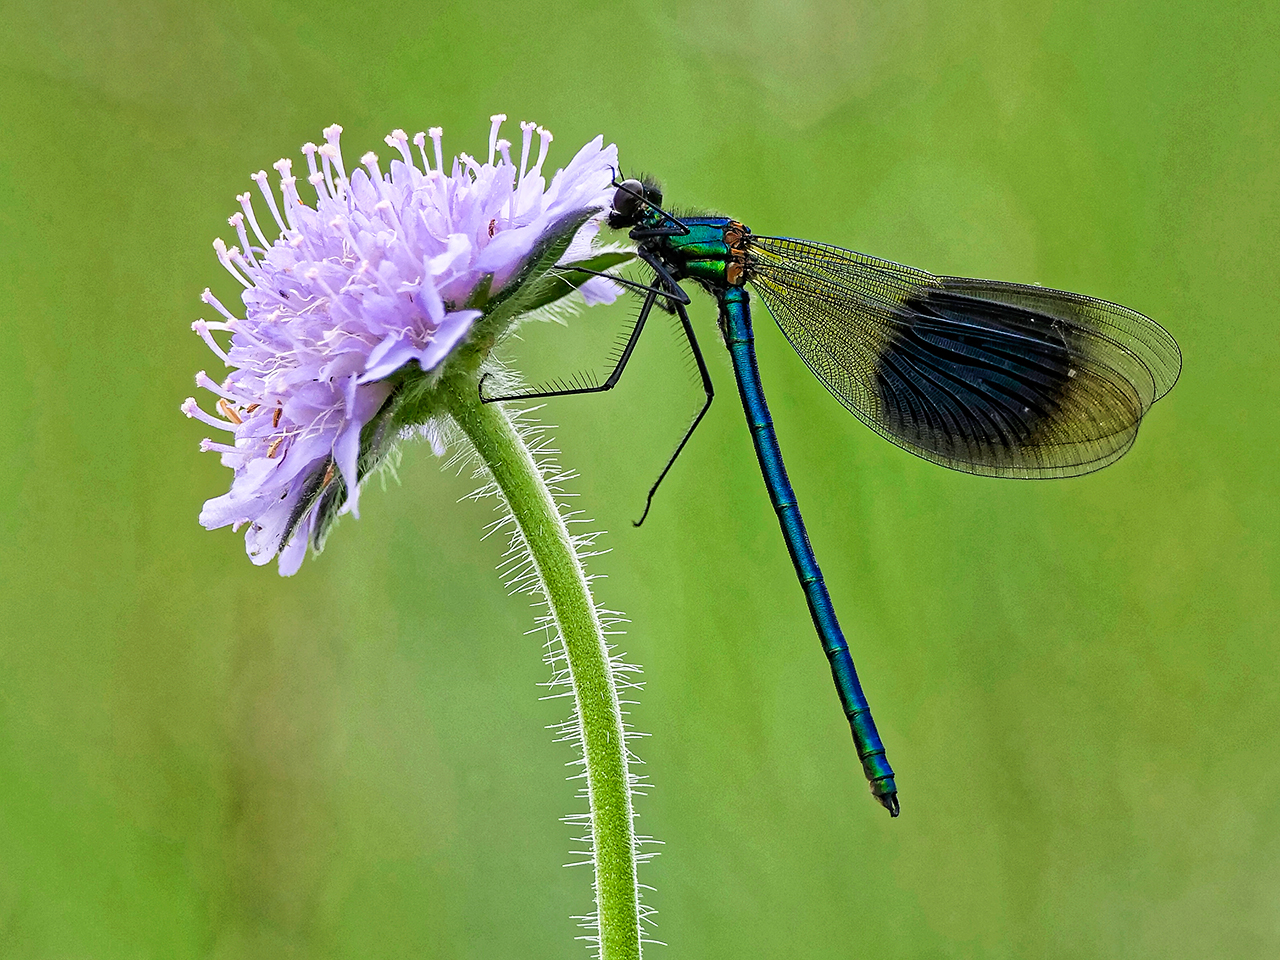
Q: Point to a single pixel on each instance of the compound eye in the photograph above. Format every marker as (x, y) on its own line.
(654, 195)
(627, 200)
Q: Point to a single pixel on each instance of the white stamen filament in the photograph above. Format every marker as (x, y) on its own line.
(495, 125)
(472, 166)
(328, 170)
(331, 136)
(260, 178)
(206, 382)
(192, 409)
(435, 133)
(504, 148)
(237, 221)
(370, 160)
(214, 302)
(246, 204)
(224, 257)
(526, 136)
(208, 446)
(289, 191)
(246, 332)
(400, 140)
(241, 261)
(420, 141)
(310, 150)
(545, 134)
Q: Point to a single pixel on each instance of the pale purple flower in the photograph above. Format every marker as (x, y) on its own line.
(374, 276)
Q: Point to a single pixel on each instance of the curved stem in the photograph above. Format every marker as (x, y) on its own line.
(599, 716)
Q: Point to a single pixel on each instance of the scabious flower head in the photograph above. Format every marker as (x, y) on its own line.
(386, 273)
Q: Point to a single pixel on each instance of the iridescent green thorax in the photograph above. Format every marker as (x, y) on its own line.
(713, 252)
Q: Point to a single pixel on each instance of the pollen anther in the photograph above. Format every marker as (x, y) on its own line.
(228, 411)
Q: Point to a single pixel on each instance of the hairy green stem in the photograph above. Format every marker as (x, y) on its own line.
(599, 716)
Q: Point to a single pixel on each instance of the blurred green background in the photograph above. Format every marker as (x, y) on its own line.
(1076, 680)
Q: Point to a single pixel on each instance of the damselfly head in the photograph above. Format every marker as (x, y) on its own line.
(632, 199)
(627, 200)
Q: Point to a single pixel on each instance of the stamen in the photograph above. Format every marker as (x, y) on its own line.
(214, 302)
(331, 136)
(275, 445)
(248, 332)
(370, 160)
(192, 409)
(260, 178)
(420, 141)
(247, 206)
(310, 149)
(224, 257)
(328, 474)
(545, 134)
(237, 220)
(526, 135)
(400, 140)
(325, 151)
(471, 163)
(225, 390)
(435, 133)
(504, 148)
(206, 382)
(228, 411)
(275, 417)
(243, 262)
(495, 126)
(208, 446)
(289, 191)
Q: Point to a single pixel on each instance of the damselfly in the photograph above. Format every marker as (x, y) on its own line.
(997, 379)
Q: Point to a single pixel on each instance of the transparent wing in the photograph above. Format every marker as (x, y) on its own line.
(998, 379)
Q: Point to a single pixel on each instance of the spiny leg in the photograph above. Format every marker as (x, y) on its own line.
(708, 392)
(613, 377)
(676, 293)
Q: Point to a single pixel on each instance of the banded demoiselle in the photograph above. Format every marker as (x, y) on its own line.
(990, 378)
